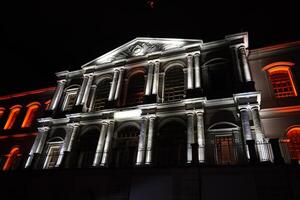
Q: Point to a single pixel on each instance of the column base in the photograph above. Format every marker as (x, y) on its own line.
(252, 152)
(276, 151)
(194, 93)
(150, 98)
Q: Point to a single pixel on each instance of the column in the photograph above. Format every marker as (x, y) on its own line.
(150, 140)
(37, 145)
(149, 79)
(107, 145)
(68, 143)
(120, 80)
(100, 145)
(245, 123)
(87, 90)
(190, 80)
(57, 95)
(197, 71)
(200, 137)
(93, 93)
(262, 144)
(237, 62)
(246, 69)
(142, 142)
(113, 86)
(156, 78)
(82, 88)
(190, 136)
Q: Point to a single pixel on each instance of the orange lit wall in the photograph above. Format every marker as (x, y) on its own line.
(47, 103)
(13, 154)
(2, 110)
(30, 114)
(14, 112)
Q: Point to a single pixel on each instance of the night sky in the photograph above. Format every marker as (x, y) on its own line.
(39, 38)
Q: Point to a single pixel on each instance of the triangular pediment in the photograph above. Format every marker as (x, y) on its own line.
(141, 47)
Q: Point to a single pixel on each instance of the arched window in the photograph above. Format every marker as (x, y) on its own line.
(70, 98)
(14, 112)
(30, 114)
(102, 93)
(281, 78)
(52, 152)
(125, 147)
(12, 159)
(135, 93)
(293, 136)
(174, 85)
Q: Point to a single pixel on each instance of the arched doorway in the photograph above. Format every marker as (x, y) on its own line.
(86, 148)
(101, 95)
(224, 144)
(171, 145)
(125, 147)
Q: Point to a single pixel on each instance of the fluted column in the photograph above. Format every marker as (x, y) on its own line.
(58, 93)
(87, 90)
(261, 142)
(142, 142)
(38, 145)
(93, 93)
(68, 142)
(113, 85)
(237, 62)
(107, 145)
(200, 137)
(190, 136)
(190, 73)
(156, 78)
(150, 140)
(197, 70)
(82, 89)
(119, 84)
(245, 123)
(100, 145)
(149, 79)
(245, 65)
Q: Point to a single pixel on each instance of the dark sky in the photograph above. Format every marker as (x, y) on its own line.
(39, 38)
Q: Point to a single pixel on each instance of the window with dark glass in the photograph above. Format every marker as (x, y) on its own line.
(174, 85)
(135, 92)
(102, 93)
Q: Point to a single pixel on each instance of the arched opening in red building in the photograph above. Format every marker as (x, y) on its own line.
(31, 112)
(13, 159)
(14, 112)
(125, 146)
(171, 144)
(293, 136)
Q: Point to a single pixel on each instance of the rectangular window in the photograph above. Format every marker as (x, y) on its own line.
(52, 155)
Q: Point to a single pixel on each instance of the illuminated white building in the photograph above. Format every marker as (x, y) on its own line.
(167, 102)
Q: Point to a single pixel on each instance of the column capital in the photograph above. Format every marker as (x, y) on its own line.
(61, 81)
(105, 122)
(94, 86)
(73, 124)
(189, 113)
(199, 112)
(189, 57)
(152, 117)
(88, 75)
(43, 129)
(197, 54)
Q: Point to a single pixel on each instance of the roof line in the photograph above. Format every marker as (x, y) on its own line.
(27, 93)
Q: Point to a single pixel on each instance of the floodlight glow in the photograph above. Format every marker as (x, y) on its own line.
(128, 114)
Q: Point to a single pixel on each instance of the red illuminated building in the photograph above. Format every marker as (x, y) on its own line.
(18, 115)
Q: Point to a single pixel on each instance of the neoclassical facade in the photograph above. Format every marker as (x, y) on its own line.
(161, 102)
